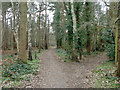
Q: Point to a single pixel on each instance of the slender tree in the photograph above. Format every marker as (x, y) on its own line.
(79, 41)
(15, 32)
(87, 19)
(74, 53)
(12, 44)
(29, 35)
(57, 25)
(39, 29)
(45, 26)
(118, 66)
(2, 18)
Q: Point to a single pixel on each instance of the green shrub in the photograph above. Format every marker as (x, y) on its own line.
(109, 45)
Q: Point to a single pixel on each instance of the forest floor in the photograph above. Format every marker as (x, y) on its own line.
(55, 73)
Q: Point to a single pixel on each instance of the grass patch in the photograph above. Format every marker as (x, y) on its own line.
(105, 76)
(85, 53)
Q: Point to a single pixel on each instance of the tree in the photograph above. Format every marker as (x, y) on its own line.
(74, 53)
(118, 66)
(29, 35)
(23, 25)
(3, 20)
(57, 25)
(35, 33)
(79, 33)
(39, 29)
(12, 44)
(69, 27)
(87, 20)
(45, 27)
(113, 15)
(63, 24)
(15, 32)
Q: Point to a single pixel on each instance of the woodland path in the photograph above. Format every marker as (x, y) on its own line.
(54, 73)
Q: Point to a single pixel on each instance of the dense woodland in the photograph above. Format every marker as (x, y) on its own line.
(76, 27)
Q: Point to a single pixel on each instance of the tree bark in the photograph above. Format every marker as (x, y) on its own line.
(45, 26)
(15, 31)
(79, 49)
(74, 53)
(118, 66)
(48, 28)
(23, 25)
(39, 30)
(29, 35)
(63, 23)
(12, 44)
(87, 27)
(3, 27)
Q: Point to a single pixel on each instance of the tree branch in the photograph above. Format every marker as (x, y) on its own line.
(106, 3)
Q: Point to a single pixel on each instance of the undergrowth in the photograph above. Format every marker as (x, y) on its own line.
(63, 54)
(66, 57)
(13, 70)
(105, 76)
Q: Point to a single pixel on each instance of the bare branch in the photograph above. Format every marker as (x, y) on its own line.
(106, 3)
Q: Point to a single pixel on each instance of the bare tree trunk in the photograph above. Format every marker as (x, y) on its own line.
(48, 31)
(4, 32)
(11, 38)
(39, 30)
(42, 31)
(35, 35)
(45, 26)
(15, 31)
(7, 35)
(3, 27)
(29, 35)
(23, 26)
(42, 34)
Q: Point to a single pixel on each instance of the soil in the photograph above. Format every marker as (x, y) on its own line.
(55, 73)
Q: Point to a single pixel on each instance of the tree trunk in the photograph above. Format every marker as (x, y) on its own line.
(12, 44)
(79, 49)
(39, 30)
(3, 27)
(23, 25)
(29, 35)
(48, 28)
(45, 26)
(74, 53)
(42, 33)
(15, 32)
(87, 27)
(118, 66)
(63, 25)
(70, 30)
(4, 32)
(113, 14)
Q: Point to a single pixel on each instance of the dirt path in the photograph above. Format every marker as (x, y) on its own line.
(55, 73)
